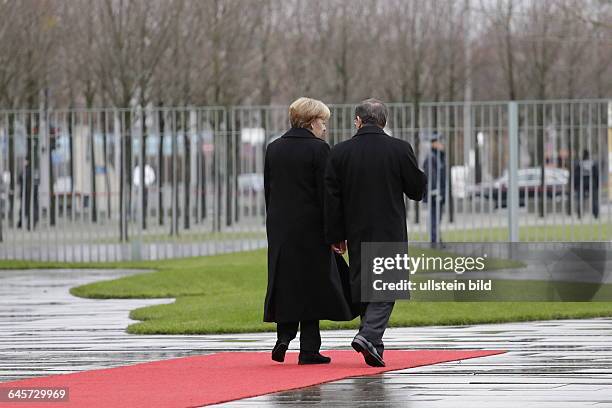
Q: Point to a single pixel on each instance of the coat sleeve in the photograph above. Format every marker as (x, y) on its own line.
(334, 209)
(414, 180)
(267, 178)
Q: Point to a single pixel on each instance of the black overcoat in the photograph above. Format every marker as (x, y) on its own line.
(366, 179)
(303, 278)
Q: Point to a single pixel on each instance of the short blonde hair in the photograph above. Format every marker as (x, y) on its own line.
(304, 111)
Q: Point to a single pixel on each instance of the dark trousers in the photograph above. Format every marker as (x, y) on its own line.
(582, 201)
(310, 335)
(435, 214)
(374, 320)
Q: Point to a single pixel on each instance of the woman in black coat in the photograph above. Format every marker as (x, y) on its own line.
(304, 283)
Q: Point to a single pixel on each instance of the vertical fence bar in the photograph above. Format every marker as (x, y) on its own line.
(608, 168)
(512, 199)
(3, 188)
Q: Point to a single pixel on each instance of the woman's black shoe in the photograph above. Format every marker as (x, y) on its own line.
(313, 358)
(279, 350)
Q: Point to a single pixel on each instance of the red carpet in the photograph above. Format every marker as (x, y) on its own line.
(208, 379)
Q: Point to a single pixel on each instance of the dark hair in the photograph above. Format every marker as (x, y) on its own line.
(372, 111)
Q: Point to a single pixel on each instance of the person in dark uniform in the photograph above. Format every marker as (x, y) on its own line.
(586, 183)
(366, 179)
(435, 168)
(304, 283)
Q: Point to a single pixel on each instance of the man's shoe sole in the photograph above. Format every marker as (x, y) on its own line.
(369, 358)
(278, 352)
(315, 362)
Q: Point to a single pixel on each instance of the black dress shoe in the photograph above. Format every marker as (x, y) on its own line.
(313, 358)
(367, 349)
(279, 350)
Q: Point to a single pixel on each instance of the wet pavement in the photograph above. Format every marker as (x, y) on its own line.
(564, 363)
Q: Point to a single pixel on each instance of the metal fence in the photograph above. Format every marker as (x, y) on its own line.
(153, 183)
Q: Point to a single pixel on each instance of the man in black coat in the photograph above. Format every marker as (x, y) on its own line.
(366, 179)
(586, 181)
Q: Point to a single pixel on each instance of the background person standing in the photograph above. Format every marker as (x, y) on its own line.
(435, 168)
(586, 184)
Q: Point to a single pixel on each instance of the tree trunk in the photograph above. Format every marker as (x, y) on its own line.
(230, 178)
(128, 170)
(28, 176)
(121, 181)
(417, 145)
(202, 186)
(105, 161)
(12, 170)
(143, 156)
(71, 153)
(451, 160)
(52, 136)
(540, 132)
(175, 197)
(160, 159)
(92, 151)
(187, 170)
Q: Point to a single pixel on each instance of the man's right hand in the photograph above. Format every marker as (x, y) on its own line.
(339, 247)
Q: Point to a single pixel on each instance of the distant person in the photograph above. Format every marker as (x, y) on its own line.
(435, 168)
(304, 283)
(366, 179)
(586, 182)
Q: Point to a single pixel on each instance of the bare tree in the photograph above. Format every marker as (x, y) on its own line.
(10, 70)
(132, 38)
(501, 18)
(410, 42)
(80, 31)
(541, 39)
(270, 51)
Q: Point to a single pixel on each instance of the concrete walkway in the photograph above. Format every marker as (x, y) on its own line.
(44, 330)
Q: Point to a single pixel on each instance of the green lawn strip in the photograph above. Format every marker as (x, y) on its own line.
(224, 294)
(211, 276)
(513, 290)
(236, 312)
(529, 233)
(241, 314)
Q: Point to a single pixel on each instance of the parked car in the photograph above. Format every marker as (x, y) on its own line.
(556, 182)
